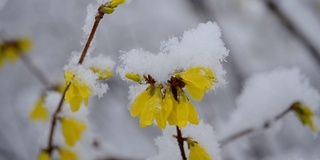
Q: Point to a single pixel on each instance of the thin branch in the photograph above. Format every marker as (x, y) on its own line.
(35, 71)
(251, 130)
(293, 29)
(98, 17)
(180, 140)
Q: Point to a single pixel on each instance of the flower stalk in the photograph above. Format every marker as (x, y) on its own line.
(55, 117)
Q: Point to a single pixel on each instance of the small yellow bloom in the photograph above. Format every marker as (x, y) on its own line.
(78, 91)
(11, 50)
(44, 156)
(102, 73)
(72, 130)
(39, 112)
(152, 109)
(185, 111)
(66, 154)
(109, 7)
(198, 80)
(133, 77)
(305, 114)
(138, 103)
(197, 152)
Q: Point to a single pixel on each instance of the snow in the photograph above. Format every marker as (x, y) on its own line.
(100, 62)
(201, 46)
(267, 95)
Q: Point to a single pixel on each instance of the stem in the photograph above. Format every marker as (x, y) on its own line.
(55, 117)
(98, 17)
(180, 142)
(293, 29)
(250, 130)
(36, 71)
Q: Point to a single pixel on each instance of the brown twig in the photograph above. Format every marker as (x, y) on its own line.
(36, 71)
(251, 130)
(98, 17)
(293, 29)
(180, 140)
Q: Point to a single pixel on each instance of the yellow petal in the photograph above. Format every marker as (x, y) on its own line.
(103, 74)
(305, 114)
(44, 156)
(68, 75)
(71, 92)
(172, 119)
(133, 77)
(193, 115)
(182, 111)
(11, 53)
(66, 154)
(72, 130)
(84, 90)
(115, 3)
(168, 102)
(161, 121)
(75, 103)
(195, 92)
(197, 152)
(150, 107)
(138, 103)
(39, 112)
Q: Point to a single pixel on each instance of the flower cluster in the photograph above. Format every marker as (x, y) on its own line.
(168, 101)
(11, 50)
(189, 64)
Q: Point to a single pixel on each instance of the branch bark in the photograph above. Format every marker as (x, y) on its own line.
(55, 117)
(251, 130)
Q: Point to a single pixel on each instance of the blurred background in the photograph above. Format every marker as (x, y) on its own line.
(260, 34)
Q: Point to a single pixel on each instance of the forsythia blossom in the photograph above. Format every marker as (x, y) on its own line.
(198, 80)
(171, 104)
(71, 130)
(196, 151)
(11, 50)
(77, 92)
(39, 112)
(305, 115)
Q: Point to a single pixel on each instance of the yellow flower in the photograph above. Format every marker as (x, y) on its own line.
(137, 105)
(78, 91)
(66, 154)
(44, 156)
(39, 112)
(102, 73)
(152, 109)
(185, 110)
(197, 152)
(133, 77)
(305, 114)
(71, 130)
(11, 50)
(198, 80)
(116, 3)
(109, 7)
